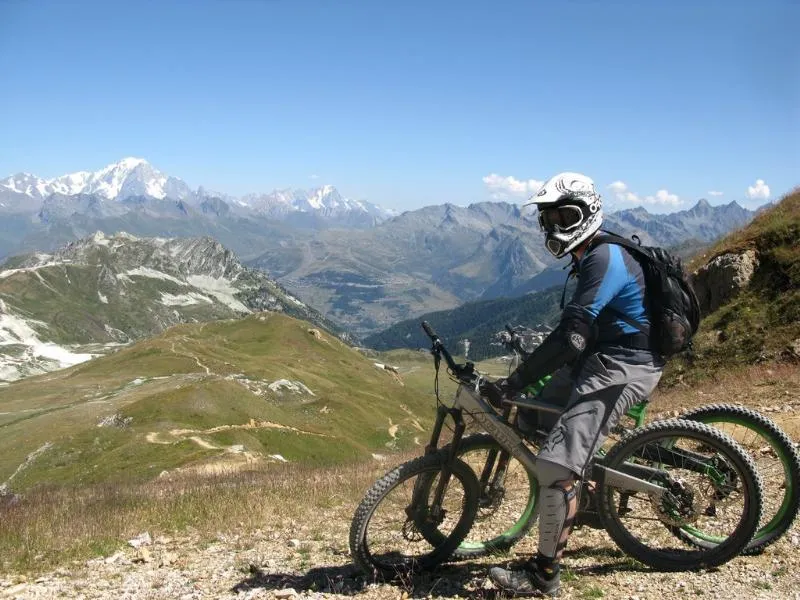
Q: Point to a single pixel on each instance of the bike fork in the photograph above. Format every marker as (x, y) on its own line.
(447, 470)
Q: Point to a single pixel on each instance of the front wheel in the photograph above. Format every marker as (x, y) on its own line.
(712, 492)
(399, 526)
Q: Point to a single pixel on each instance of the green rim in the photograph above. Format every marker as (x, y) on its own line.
(787, 471)
(512, 532)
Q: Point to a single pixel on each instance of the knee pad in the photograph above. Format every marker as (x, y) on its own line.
(558, 508)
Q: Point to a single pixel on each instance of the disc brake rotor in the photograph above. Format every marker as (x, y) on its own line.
(679, 505)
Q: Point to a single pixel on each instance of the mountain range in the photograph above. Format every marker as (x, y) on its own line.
(98, 293)
(130, 194)
(363, 266)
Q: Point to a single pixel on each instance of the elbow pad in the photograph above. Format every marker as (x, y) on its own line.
(577, 327)
(565, 344)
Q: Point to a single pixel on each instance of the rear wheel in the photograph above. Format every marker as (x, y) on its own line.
(713, 493)
(398, 527)
(507, 498)
(775, 458)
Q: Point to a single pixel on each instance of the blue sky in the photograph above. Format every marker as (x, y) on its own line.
(411, 103)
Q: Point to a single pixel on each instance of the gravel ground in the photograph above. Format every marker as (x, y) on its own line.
(266, 564)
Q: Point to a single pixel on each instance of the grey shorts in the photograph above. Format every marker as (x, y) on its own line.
(603, 391)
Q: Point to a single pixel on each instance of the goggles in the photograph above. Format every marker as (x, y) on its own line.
(560, 218)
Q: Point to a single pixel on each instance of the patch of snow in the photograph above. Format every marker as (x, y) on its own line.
(184, 299)
(103, 299)
(153, 274)
(155, 187)
(220, 288)
(100, 239)
(295, 300)
(15, 331)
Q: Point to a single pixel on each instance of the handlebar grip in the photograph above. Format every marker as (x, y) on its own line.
(429, 330)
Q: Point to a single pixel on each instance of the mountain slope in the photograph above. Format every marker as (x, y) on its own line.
(103, 291)
(202, 396)
(441, 256)
(474, 321)
(753, 276)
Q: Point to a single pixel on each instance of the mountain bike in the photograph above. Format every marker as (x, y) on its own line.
(507, 496)
(667, 476)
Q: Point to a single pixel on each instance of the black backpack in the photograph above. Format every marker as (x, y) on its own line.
(670, 298)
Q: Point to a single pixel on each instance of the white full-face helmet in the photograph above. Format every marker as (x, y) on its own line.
(569, 211)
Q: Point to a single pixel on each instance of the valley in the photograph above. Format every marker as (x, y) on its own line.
(188, 412)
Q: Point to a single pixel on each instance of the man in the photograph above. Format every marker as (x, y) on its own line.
(601, 362)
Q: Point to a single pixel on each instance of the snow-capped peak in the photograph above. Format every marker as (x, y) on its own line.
(135, 177)
(129, 177)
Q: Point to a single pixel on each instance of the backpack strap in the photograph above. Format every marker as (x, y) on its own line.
(607, 237)
(634, 245)
(623, 317)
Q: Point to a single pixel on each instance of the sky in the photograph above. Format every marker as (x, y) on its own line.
(411, 103)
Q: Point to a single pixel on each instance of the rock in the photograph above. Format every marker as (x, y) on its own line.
(792, 351)
(294, 543)
(110, 560)
(723, 278)
(295, 387)
(13, 591)
(143, 539)
(286, 593)
(144, 555)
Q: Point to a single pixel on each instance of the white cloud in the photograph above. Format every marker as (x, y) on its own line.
(504, 186)
(715, 193)
(759, 191)
(663, 197)
(314, 176)
(624, 195)
(618, 187)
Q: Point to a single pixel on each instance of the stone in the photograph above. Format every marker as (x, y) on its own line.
(722, 278)
(143, 539)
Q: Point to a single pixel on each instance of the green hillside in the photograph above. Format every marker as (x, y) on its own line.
(762, 323)
(200, 395)
(476, 321)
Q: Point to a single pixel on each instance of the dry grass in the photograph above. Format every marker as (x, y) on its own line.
(54, 526)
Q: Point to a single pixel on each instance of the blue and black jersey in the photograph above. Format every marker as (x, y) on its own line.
(610, 284)
(607, 313)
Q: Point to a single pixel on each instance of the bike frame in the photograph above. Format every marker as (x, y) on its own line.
(467, 399)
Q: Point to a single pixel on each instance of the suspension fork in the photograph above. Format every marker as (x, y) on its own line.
(421, 487)
(488, 467)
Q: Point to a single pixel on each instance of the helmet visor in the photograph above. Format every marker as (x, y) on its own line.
(560, 218)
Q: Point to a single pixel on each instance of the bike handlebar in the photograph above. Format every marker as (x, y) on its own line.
(514, 342)
(465, 371)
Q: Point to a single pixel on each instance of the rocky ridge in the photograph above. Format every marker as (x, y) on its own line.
(100, 292)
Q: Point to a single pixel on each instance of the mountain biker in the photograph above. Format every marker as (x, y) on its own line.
(601, 366)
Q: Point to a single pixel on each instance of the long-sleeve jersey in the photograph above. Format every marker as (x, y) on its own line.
(611, 286)
(610, 283)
